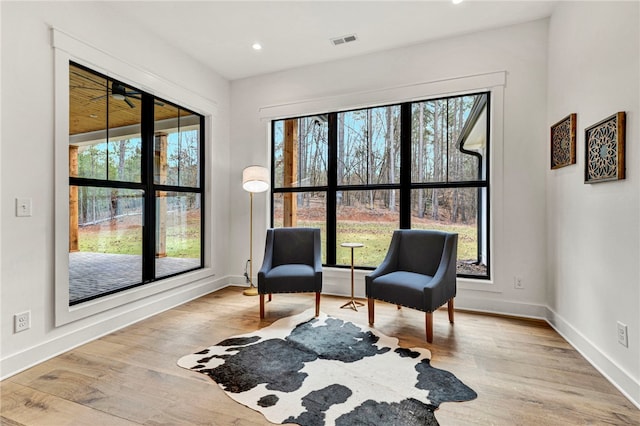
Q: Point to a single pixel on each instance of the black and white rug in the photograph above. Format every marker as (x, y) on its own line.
(326, 371)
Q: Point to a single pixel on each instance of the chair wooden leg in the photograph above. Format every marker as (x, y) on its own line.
(450, 309)
(370, 308)
(429, 325)
(261, 306)
(317, 303)
(269, 297)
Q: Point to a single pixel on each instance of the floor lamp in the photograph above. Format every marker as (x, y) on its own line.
(254, 179)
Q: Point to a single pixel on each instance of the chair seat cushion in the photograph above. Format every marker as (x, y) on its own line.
(402, 288)
(290, 278)
(290, 270)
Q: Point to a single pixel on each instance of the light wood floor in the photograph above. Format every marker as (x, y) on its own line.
(523, 371)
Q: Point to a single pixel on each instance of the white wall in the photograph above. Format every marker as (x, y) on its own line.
(593, 230)
(27, 169)
(518, 187)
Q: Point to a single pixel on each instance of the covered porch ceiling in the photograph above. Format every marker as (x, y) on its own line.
(95, 100)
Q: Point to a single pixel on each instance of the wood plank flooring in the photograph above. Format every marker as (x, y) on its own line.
(523, 371)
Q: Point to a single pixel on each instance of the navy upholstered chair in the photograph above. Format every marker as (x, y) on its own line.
(418, 272)
(292, 264)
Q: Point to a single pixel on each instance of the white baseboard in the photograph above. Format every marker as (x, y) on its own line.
(502, 307)
(239, 281)
(137, 311)
(618, 377)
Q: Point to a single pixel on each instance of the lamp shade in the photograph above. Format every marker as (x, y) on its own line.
(255, 179)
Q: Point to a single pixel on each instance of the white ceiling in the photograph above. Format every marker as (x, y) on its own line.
(297, 33)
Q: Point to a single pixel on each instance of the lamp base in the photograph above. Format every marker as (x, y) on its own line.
(251, 291)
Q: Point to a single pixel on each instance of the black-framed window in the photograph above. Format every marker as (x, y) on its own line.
(136, 187)
(360, 174)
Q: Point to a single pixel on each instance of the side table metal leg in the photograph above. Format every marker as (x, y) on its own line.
(353, 304)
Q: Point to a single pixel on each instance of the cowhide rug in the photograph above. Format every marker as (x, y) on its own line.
(326, 371)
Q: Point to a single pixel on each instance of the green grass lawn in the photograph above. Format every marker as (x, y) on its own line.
(121, 241)
(180, 242)
(375, 236)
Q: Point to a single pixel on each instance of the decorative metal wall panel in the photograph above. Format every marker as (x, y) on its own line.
(604, 150)
(563, 142)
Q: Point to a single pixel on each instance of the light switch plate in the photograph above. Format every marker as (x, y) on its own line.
(23, 207)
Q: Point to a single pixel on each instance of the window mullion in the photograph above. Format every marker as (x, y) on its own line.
(273, 173)
(405, 166)
(332, 169)
(446, 130)
(149, 218)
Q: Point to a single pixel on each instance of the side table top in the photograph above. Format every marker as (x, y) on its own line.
(352, 245)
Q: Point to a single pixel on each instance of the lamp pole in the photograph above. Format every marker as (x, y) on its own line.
(252, 290)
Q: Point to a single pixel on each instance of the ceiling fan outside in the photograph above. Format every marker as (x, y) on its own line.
(120, 93)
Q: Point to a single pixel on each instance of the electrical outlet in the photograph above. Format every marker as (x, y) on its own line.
(517, 283)
(623, 339)
(22, 321)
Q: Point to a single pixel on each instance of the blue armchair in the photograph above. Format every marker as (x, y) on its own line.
(419, 272)
(292, 264)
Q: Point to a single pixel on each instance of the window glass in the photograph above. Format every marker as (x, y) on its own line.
(368, 146)
(302, 209)
(365, 217)
(465, 156)
(176, 146)
(439, 149)
(105, 252)
(454, 210)
(124, 158)
(104, 128)
(90, 160)
(429, 141)
(87, 100)
(178, 233)
(300, 152)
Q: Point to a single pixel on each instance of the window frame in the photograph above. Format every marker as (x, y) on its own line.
(66, 48)
(147, 185)
(405, 184)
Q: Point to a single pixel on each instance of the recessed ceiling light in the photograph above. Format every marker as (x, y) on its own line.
(256, 46)
(456, 1)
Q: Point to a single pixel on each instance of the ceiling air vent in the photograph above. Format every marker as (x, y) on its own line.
(344, 39)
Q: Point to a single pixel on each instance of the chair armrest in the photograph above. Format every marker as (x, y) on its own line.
(390, 261)
(267, 262)
(317, 259)
(317, 252)
(445, 275)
